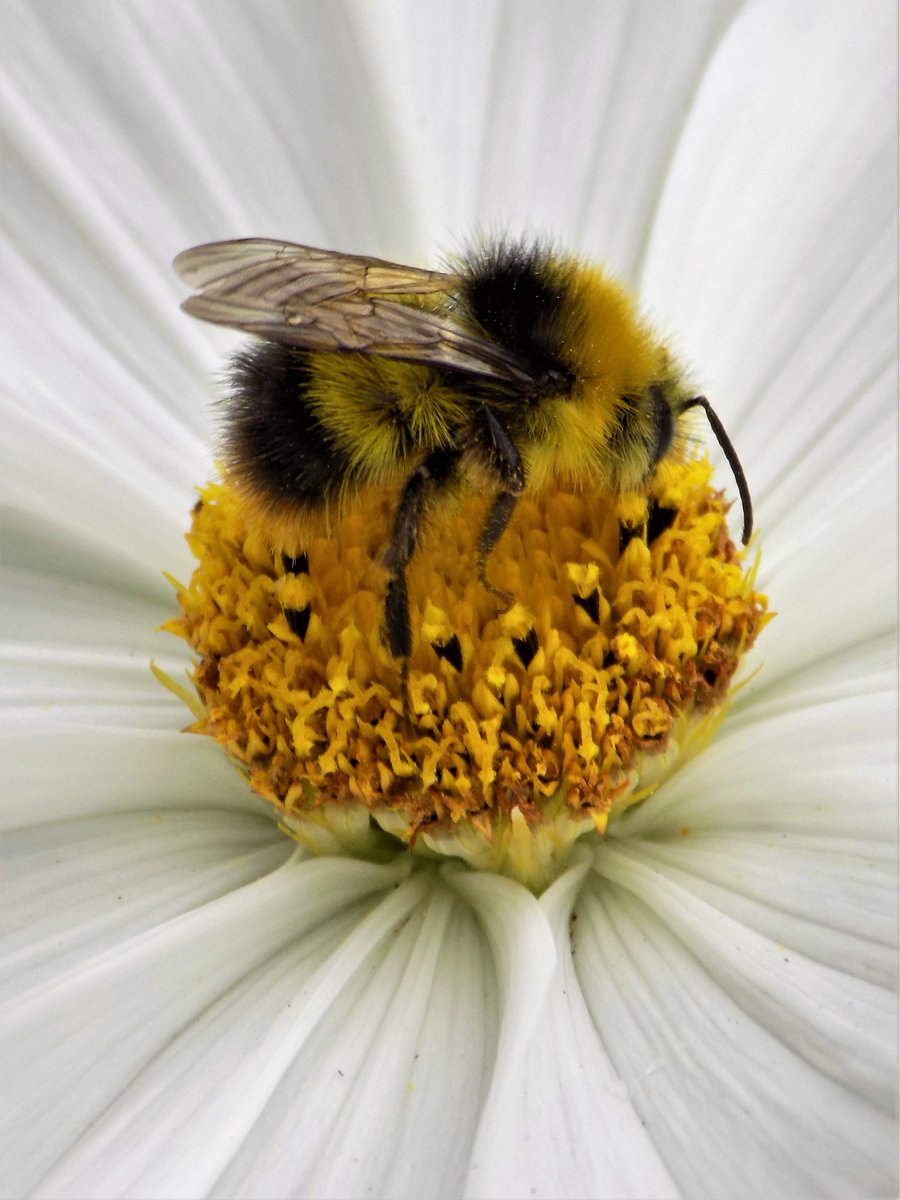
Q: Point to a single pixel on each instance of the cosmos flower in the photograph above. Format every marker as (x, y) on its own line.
(701, 1004)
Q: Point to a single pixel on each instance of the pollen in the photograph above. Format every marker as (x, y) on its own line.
(513, 731)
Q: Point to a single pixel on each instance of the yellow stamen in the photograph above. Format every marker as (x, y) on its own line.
(527, 729)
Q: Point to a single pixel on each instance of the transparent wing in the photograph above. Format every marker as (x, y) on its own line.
(323, 300)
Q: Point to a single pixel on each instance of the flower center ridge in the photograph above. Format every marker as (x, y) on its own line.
(521, 730)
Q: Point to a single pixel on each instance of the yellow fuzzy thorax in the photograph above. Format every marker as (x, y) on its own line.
(611, 341)
(613, 353)
(527, 729)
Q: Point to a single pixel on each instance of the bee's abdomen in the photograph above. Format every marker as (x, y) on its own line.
(275, 445)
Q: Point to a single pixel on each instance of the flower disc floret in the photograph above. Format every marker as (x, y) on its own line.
(516, 732)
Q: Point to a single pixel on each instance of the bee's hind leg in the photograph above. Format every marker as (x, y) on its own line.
(426, 479)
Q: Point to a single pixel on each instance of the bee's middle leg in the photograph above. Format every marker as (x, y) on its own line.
(503, 456)
(426, 479)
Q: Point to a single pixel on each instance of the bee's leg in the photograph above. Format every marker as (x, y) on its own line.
(396, 556)
(504, 458)
(430, 475)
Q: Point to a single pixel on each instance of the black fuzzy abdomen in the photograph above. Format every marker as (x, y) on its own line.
(274, 443)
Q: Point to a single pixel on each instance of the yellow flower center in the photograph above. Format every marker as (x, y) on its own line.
(523, 730)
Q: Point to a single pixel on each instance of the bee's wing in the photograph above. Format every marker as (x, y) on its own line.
(258, 271)
(323, 300)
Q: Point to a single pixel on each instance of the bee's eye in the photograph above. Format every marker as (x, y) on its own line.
(663, 424)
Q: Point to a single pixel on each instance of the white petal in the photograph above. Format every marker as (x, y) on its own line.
(524, 959)
(348, 130)
(825, 770)
(535, 125)
(95, 508)
(73, 1044)
(827, 898)
(855, 669)
(194, 124)
(837, 1023)
(78, 643)
(339, 1039)
(756, 1071)
(533, 1139)
(788, 824)
(833, 586)
(75, 889)
(54, 774)
(774, 258)
(405, 1048)
(779, 199)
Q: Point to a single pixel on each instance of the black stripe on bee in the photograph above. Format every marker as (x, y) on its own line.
(274, 440)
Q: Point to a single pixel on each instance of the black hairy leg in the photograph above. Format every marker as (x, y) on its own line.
(430, 476)
(502, 455)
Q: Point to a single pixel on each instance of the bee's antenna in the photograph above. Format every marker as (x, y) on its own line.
(733, 461)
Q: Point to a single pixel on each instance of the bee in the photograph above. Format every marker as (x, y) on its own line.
(514, 369)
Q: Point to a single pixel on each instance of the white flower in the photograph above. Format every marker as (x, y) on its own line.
(191, 1008)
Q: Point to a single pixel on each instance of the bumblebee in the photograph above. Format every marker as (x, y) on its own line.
(514, 369)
